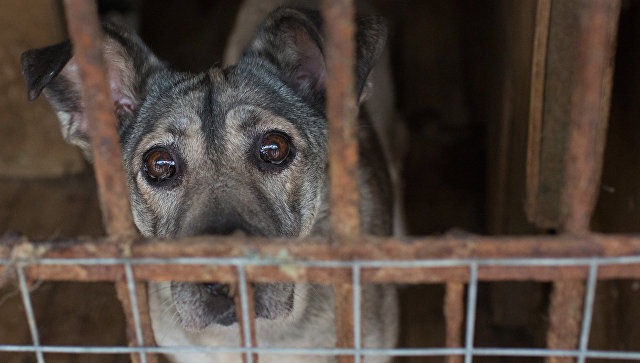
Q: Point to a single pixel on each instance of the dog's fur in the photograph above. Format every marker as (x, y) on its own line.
(212, 124)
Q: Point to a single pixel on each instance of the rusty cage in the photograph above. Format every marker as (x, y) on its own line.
(574, 260)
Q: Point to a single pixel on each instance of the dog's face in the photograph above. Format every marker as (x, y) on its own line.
(236, 149)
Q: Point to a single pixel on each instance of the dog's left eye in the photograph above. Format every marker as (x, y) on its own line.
(274, 147)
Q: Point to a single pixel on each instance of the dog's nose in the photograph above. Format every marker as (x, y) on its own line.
(216, 289)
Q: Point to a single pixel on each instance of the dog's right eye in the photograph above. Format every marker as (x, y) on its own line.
(159, 165)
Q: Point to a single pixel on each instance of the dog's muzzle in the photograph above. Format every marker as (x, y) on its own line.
(202, 304)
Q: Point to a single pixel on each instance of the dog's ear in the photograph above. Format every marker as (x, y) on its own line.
(292, 40)
(53, 70)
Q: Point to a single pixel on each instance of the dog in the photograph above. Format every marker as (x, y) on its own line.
(237, 148)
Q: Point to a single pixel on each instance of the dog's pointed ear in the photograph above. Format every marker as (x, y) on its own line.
(292, 40)
(53, 70)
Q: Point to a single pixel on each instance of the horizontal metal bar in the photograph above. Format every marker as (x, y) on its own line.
(422, 271)
(404, 352)
(432, 260)
(321, 249)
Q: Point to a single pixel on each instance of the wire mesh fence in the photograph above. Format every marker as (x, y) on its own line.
(475, 270)
(264, 265)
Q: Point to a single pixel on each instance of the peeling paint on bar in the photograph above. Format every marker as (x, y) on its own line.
(339, 30)
(86, 35)
(385, 260)
(584, 157)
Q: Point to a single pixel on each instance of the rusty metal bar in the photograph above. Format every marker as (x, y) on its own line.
(342, 110)
(319, 249)
(590, 112)
(453, 314)
(583, 162)
(565, 316)
(344, 318)
(384, 259)
(86, 35)
(339, 17)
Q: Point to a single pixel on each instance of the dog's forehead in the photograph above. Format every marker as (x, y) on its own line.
(199, 109)
(176, 101)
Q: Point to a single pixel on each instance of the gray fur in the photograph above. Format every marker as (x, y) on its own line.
(211, 123)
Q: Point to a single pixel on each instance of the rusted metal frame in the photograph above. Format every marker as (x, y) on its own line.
(384, 261)
(86, 35)
(590, 113)
(583, 163)
(166, 269)
(340, 51)
(339, 30)
(320, 249)
(453, 314)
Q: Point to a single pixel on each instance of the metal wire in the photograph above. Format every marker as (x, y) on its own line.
(244, 305)
(131, 285)
(357, 314)
(408, 264)
(471, 311)
(401, 352)
(588, 311)
(31, 318)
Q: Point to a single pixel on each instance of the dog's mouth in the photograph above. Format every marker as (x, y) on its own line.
(202, 304)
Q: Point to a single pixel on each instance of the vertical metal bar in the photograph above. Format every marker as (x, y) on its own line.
(588, 311)
(344, 319)
(472, 298)
(357, 313)
(28, 308)
(453, 314)
(342, 110)
(131, 285)
(589, 112)
(339, 29)
(122, 290)
(565, 312)
(244, 304)
(583, 163)
(86, 35)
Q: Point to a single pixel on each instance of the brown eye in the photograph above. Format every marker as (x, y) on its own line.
(159, 164)
(274, 147)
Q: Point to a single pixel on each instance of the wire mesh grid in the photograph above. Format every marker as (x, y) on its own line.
(596, 257)
(468, 350)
